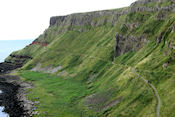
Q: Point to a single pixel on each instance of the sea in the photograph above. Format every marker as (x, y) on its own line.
(8, 46)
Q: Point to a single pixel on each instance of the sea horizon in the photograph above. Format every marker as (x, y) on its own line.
(8, 46)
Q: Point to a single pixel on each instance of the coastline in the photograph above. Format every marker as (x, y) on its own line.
(14, 97)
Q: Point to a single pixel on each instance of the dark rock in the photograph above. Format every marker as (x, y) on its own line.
(124, 44)
(117, 49)
(57, 19)
(20, 56)
(13, 98)
(18, 62)
(6, 66)
(67, 22)
(159, 39)
(161, 15)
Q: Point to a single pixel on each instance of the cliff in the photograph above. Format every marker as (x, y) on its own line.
(126, 44)
(104, 63)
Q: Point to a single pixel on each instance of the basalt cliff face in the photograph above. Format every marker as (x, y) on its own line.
(129, 43)
(101, 49)
(83, 22)
(16, 61)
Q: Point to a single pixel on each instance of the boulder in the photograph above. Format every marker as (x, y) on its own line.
(165, 65)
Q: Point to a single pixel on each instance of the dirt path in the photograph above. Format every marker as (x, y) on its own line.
(146, 81)
(133, 70)
(155, 91)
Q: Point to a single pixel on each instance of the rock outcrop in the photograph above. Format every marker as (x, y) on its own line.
(48, 69)
(21, 56)
(159, 39)
(80, 21)
(6, 66)
(124, 44)
(14, 98)
(143, 2)
(43, 44)
(15, 62)
(84, 19)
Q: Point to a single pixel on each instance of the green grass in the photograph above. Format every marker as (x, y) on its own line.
(57, 96)
(89, 53)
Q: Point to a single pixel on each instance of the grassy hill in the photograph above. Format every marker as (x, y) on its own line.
(75, 74)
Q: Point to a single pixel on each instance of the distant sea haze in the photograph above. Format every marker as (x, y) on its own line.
(8, 46)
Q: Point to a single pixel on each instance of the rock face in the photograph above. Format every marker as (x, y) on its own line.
(57, 19)
(43, 44)
(13, 97)
(48, 69)
(15, 62)
(5, 66)
(143, 2)
(165, 65)
(83, 19)
(21, 56)
(129, 43)
(76, 21)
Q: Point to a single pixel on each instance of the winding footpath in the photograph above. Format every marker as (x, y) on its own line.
(155, 91)
(146, 81)
(133, 70)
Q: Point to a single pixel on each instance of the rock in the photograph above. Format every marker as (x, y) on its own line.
(161, 15)
(124, 44)
(36, 102)
(172, 46)
(48, 69)
(57, 20)
(13, 97)
(7, 66)
(173, 29)
(20, 56)
(67, 22)
(35, 113)
(159, 39)
(165, 65)
(17, 62)
(37, 98)
(117, 49)
(63, 73)
(143, 2)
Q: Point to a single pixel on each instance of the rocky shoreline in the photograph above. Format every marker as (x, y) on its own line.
(13, 96)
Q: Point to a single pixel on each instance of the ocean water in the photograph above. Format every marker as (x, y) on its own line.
(8, 46)
(2, 114)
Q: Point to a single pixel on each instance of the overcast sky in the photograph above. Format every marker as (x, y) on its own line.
(27, 19)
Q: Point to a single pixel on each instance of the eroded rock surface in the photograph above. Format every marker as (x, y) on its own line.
(124, 44)
(48, 69)
(13, 97)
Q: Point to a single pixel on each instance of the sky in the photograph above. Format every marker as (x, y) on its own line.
(27, 19)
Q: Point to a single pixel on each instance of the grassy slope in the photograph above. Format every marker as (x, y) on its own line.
(75, 52)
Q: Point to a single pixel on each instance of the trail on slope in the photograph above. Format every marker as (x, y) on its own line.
(155, 91)
(146, 81)
(133, 70)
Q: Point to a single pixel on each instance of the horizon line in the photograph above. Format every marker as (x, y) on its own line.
(15, 39)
